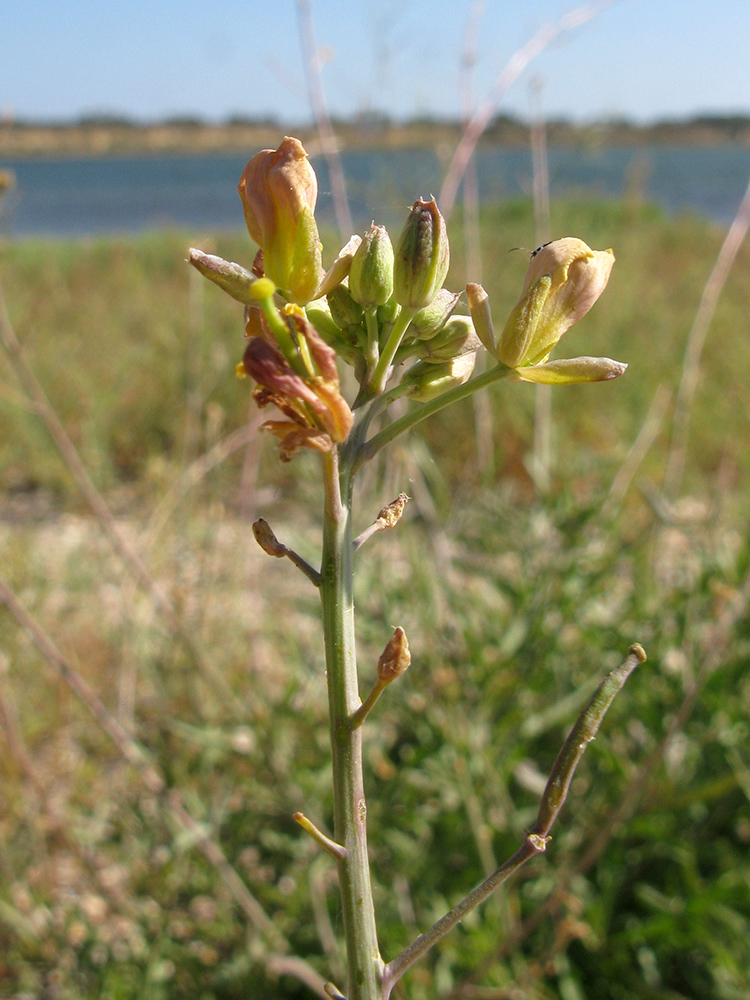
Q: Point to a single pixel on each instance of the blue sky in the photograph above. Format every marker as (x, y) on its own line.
(643, 59)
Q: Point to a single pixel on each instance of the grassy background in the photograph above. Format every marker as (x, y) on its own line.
(513, 602)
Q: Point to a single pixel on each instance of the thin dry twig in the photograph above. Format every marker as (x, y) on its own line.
(541, 458)
(696, 341)
(638, 451)
(328, 143)
(56, 825)
(154, 781)
(480, 401)
(130, 557)
(516, 65)
(194, 473)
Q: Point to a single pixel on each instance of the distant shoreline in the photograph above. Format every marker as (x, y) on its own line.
(100, 138)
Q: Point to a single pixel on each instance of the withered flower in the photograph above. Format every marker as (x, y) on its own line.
(317, 414)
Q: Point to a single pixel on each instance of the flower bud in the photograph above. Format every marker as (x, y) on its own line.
(371, 274)
(344, 343)
(267, 540)
(387, 313)
(431, 320)
(564, 280)
(457, 337)
(344, 310)
(320, 316)
(481, 315)
(391, 514)
(340, 267)
(395, 658)
(569, 371)
(230, 277)
(278, 189)
(425, 381)
(422, 256)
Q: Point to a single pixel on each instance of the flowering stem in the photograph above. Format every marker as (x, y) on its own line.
(372, 354)
(282, 335)
(405, 423)
(365, 966)
(380, 375)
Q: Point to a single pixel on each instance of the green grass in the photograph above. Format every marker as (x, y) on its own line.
(513, 604)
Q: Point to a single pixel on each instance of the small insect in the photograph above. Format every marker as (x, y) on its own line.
(532, 253)
(535, 252)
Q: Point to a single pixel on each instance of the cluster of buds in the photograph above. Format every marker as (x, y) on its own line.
(381, 309)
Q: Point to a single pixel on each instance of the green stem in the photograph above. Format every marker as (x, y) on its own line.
(372, 354)
(405, 423)
(382, 369)
(365, 966)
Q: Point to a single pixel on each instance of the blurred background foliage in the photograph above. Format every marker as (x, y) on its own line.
(515, 601)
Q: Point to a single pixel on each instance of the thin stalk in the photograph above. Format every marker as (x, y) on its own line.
(373, 347)
(695, 343)
(396, 969)
(365, 966)
(173, 801)
(328, 144)
(380, 375)
(413, 417)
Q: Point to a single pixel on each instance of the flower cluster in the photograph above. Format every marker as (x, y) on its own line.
(381, 309)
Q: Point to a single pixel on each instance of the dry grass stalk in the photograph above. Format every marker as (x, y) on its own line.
(485, 112)
(326, 134)
(696, 341)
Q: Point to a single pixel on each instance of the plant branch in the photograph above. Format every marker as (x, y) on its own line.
(379, 377)
(317, 835)
(714, 650)
(270, 544)
(414, 416)
(368, 704)
(535, 840)
(364, 964)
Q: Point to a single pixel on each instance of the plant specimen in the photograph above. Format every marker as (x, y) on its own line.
(383, 310)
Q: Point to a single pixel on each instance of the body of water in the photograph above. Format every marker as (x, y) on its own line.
(82, 197)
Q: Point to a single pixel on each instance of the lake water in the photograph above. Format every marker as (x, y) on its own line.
(83, 197)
